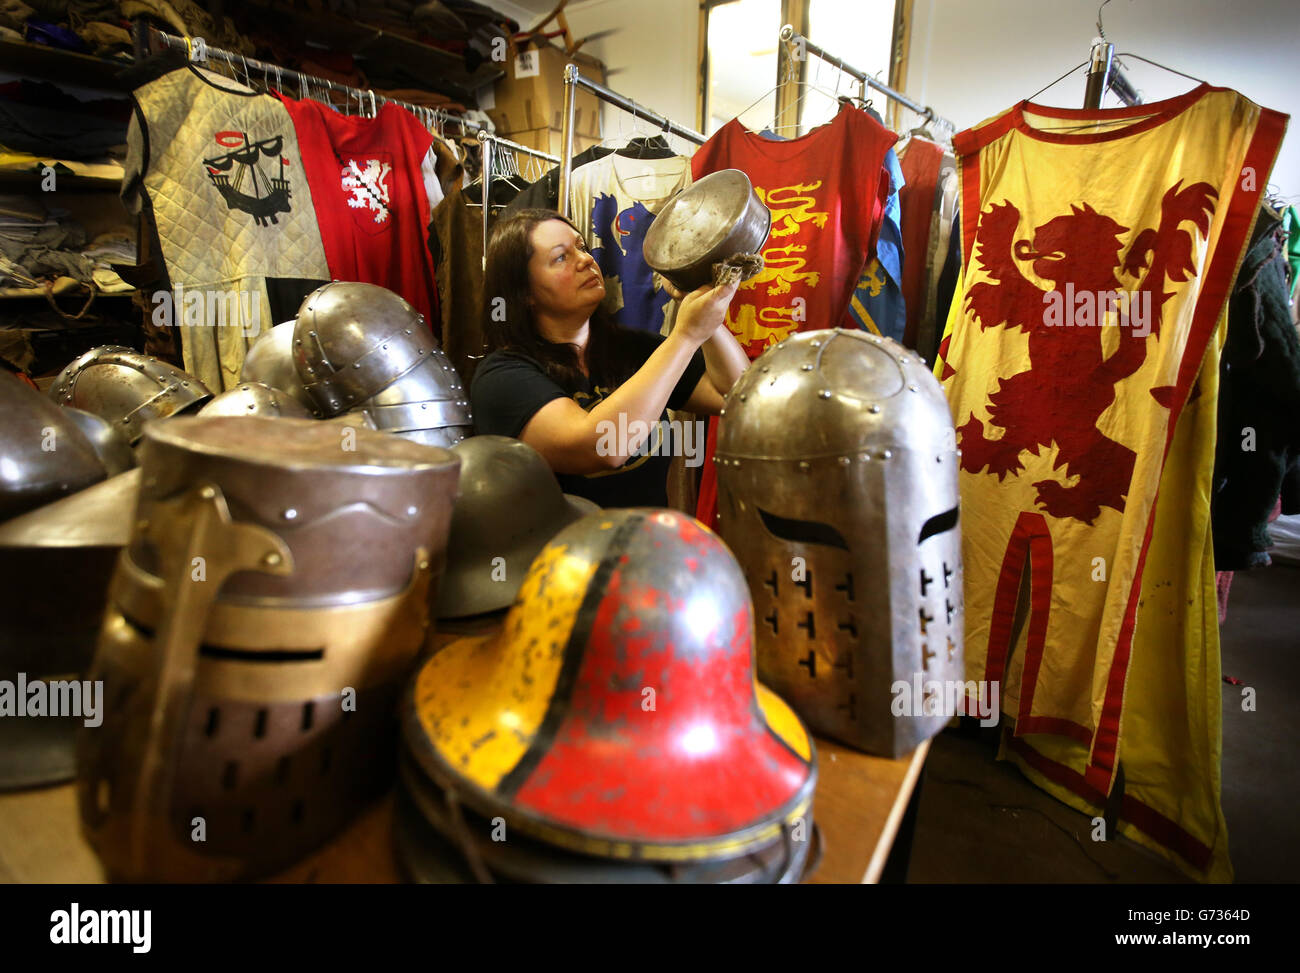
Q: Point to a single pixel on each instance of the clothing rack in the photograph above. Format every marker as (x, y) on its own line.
(573, 80)
(491, 144)
(788, 36)
(197, 49)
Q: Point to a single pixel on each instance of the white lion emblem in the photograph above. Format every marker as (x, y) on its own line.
(368, 186)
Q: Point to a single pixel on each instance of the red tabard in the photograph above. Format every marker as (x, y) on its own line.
(370, 199)
(827, 192)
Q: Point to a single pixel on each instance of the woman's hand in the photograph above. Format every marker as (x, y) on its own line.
(702, 311)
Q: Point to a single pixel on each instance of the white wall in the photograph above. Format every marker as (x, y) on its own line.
(970, 59)
(651, 51)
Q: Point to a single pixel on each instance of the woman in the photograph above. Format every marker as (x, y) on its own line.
(587, 395)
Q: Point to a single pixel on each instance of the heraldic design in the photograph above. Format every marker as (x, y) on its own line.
(243, 183)
(760, 319)
(621, 238)
(369, 193)
(1069, 382)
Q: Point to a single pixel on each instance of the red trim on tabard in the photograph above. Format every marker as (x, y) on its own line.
(1142, 816)
(1160, 112)
(1217, 282)
(970, 216)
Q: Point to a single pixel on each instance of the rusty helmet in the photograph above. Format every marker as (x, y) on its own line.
(254, 673)
(508, 507)
(616, 712)
(56, 561)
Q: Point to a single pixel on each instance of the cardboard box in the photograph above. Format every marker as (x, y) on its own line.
(531, 95)
(550, 140)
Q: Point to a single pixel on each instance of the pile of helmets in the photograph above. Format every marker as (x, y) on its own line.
(361, 349)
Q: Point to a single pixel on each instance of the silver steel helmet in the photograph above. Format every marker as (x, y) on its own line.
(127, 388)
(56, 561)
(45, 455)
(837, 491)
(509, 505)
(253, 672)
(255, 399)
(359, 347)
(108, 442)
(270, 362)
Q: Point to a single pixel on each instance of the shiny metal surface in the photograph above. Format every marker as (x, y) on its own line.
(255, 399)
(427, 404)
(712, 220)
(254, 670)
(837, 491)
(616, 712)
(270, 362)
(437, 841)
(509, 505)
(127, 389)
(352, 340)
(109, 444)
(43, 453)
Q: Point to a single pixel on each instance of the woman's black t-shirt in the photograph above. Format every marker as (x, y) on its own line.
(508, 389)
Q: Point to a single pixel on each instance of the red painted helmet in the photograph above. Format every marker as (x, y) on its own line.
(616, 712)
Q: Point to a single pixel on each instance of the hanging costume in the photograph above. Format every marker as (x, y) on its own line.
(1096, 272)
(371, 201)
(221, 175)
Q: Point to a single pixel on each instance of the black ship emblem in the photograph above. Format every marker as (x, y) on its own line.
(242, 180)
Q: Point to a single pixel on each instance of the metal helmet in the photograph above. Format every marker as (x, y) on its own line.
(253, 671)
(616, 713)
(439, 842)
(509, 506)
(67, 548)
(108, 442)
(270, 362)
(254, 399)
(45, 454)
(127, 388)
(361, 347)
(837, 490)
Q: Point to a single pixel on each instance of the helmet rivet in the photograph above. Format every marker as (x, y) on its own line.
(885, 454)
(825, 393)
(865, 457)
(290, 514)
(207, 493)
(913, 388)
(804, 467)
(406, 331)
(271, 559)
(722, 412)
(424, 565)
(412, 510)
(356, 364)
(807, 367)
(873, 408)
(766, 368)
(742, 396)
(844, 461)
(902, 361)
(816, 344)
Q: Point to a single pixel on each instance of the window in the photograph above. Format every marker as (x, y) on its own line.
(743, 60)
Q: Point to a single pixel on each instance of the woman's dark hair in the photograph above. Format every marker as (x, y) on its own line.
(512, 328)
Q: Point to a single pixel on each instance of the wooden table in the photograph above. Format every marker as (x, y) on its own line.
(859, 805)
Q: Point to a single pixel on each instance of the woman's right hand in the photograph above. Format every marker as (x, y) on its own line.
(702, 311)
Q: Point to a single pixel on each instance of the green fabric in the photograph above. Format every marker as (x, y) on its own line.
(1292, 225)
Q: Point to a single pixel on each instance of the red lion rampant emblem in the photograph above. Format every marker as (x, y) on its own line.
(1069, 383)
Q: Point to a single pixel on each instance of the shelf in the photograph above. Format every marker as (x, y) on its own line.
(20, 57)
(63, 285)
(28, 169)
